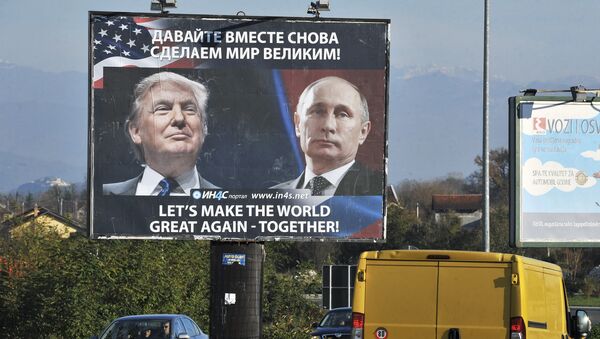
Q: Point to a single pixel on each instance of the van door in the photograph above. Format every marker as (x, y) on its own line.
(555, 304)
(545, 305)
(474, 300)
(401, 297)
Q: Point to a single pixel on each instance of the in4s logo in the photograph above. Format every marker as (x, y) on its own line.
(215, 195)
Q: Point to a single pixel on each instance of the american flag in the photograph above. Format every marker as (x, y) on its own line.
(126, 42)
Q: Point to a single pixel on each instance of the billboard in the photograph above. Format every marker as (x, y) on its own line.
(555, 172)
(240, 128)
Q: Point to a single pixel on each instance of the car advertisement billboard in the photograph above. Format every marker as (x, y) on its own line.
(239, 128)
(555, 172)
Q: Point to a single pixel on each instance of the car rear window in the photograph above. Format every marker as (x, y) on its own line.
(337, 319)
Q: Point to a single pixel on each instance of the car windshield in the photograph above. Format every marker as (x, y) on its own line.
(138, 329)
(337, 319)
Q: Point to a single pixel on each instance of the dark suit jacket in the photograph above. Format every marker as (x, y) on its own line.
(359, 180)
(129, 187)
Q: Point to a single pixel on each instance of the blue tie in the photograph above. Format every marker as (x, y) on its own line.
(167, 185)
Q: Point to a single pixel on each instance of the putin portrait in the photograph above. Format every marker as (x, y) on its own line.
(332, 122)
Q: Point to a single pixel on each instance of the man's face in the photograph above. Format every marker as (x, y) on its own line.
(167, 328)
(330, 124)
(169, 123)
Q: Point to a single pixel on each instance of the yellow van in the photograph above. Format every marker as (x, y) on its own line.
(461, 295)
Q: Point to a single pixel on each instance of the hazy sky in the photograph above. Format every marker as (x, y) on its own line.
(549, 42)
(530, 40)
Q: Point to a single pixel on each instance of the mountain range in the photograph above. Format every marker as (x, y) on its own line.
(436, 119)
(41, 185)
(435, 122)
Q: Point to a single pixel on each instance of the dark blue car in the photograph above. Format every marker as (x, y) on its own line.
(336, 324)
(155, 326)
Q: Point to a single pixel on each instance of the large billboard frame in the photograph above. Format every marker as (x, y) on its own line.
(95, 128)
(552, 228)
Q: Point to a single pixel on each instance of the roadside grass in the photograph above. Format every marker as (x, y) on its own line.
(581, 300)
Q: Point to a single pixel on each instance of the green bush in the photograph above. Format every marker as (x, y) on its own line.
(595, 332)
(287, 313)
(72, 288)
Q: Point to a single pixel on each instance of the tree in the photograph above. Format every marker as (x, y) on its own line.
(418, 193)
(71, 288)
(29, 201)
(57, 197)
(499, 176)
(287, 312)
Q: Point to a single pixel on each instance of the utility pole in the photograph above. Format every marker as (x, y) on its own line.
(486, 108)
(236, 286)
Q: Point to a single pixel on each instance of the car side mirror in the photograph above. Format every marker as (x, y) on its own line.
(315, 325)
(582, 325)
(183, 336)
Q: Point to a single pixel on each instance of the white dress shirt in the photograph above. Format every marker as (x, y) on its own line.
(149, 184)
(334, 177)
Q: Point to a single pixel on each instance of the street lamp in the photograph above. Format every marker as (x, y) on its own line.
(317, 7)
(160, 5)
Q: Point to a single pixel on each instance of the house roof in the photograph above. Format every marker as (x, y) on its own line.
(36, 212)
(461, 203)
